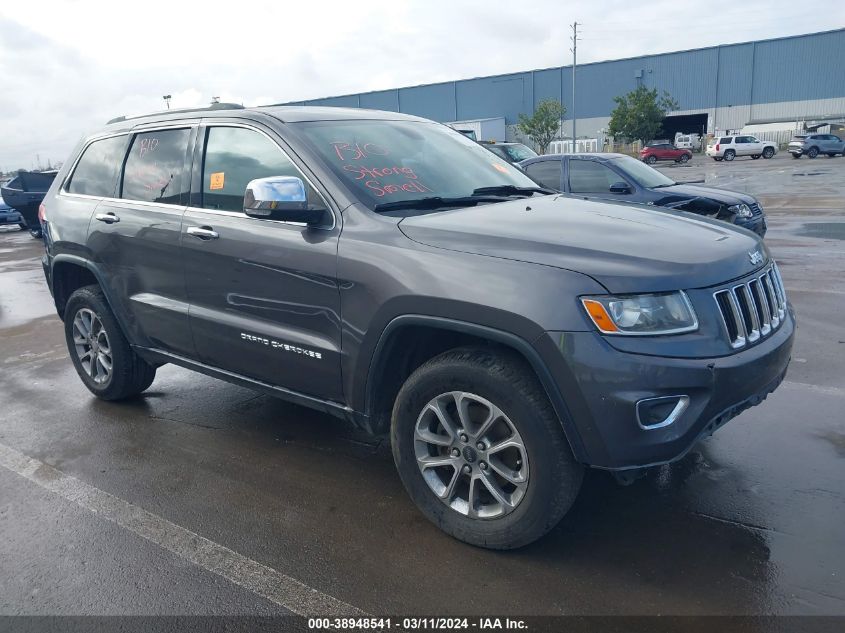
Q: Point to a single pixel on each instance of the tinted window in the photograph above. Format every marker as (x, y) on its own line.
(154, 167)
(726, 139)
(587, 176)
(546, 172)
(498, 151)
(519, 152)
(233, 157)
(96, 172)
(638, 171)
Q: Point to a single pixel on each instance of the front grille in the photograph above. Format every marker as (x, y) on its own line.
(755, 208)
(754, 308)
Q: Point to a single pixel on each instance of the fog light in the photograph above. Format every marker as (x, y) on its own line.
(656, 413)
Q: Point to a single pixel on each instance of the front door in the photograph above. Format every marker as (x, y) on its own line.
(134, 239)
(264, 297)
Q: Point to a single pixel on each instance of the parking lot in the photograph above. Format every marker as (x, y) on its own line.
(205, 498)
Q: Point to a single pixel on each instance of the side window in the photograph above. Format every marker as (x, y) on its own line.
(587, 176)
(233, 157)
(154, 167)
(96, 172)
(546, 172)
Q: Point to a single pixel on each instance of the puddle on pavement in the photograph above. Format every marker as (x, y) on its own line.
(824, 230)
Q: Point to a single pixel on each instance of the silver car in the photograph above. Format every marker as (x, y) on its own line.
(814, 144)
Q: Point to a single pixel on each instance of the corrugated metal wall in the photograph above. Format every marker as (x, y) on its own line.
(780, 75)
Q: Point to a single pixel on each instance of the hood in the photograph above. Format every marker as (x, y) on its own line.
(722, 196)
(626, 248)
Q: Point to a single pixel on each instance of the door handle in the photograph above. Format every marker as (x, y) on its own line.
(108, 218)
(203, 232)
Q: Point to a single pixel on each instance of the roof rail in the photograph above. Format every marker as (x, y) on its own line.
(213, 106)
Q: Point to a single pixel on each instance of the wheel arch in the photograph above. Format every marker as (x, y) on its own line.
(69, 273)
(394, 359)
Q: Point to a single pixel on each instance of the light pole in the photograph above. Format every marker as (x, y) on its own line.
(167, 100)
(574, 50)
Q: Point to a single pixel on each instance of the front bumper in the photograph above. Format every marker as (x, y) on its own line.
(602, 385)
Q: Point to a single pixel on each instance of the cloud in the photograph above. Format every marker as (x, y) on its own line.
(67, 67)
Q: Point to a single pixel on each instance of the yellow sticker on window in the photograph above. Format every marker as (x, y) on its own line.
(217, 180)
(500, 168)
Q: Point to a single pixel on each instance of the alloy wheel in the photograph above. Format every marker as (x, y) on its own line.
(471, 455)
(91, 343)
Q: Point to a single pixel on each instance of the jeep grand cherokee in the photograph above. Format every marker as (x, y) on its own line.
(388, 270)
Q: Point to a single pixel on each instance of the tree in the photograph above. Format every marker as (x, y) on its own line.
(543, 125)
(639, 114)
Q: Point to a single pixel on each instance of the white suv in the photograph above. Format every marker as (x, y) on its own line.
(729, 147)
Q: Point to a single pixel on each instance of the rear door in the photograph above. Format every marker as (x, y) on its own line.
(264, 296)
(134, 237)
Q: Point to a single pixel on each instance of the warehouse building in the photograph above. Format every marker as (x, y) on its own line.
(769, 87)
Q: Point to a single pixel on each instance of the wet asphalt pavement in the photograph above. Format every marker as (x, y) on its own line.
(752, 521)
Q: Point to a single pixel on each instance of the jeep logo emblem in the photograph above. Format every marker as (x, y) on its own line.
(756, 257)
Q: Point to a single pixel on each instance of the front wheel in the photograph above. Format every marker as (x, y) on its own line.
(35, 232)
(768, 153)
(813, 152)
(98, 349)
(24, 226)
(755, 156)
(730, 155)
(796, 156)
(480, 449)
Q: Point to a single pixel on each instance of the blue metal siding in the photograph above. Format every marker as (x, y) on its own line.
(811, 67)
(435, 101)
(804, 67)
(384, 100)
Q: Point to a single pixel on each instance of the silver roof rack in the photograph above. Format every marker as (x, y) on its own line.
(213, 106)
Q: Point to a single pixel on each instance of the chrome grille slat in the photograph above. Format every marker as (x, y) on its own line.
(753, 309)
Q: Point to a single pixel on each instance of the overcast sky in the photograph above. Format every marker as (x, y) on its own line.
(68, 66)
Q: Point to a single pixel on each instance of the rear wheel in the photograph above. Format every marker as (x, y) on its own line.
(480, 449)
(796, 156)
(684, 158)
(730, 155)
(718, 159)
(768, 152)
(813, 152)
(35, 232)
(100, 352)
(651, 160)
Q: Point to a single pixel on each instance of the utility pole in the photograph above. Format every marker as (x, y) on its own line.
(574, 50)
(167, 100)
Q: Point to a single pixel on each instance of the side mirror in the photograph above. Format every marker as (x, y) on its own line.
(281, 198)
(620, 187)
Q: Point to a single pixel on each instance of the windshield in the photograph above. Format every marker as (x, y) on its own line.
(396, 161)
(519, 152)
(645, 176)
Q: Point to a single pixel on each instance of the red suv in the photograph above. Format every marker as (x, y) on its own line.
(664, 151)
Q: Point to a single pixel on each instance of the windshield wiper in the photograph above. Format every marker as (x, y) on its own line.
(510, 190)
(668, 184)
(435, 202)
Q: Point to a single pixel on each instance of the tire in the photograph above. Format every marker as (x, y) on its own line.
(729, 155)
(35, 232)
(796, 156)
(485, 380)
(755, 156)
(718, 159)
(651, 160)
(768, 152)
(24, 226)
(684, 158)
(812, 152)
(129, 374)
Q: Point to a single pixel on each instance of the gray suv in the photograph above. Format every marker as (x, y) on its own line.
(811, 145)
(389, 271)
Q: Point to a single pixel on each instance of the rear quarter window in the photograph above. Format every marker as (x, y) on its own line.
(727, 140)
(96, 172)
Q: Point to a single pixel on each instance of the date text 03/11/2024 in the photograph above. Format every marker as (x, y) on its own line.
(416, 623)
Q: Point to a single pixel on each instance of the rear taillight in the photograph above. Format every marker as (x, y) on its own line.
(42, 213)
(717, 147)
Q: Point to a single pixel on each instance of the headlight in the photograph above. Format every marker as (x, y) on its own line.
(741, 210)
(639, 315)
